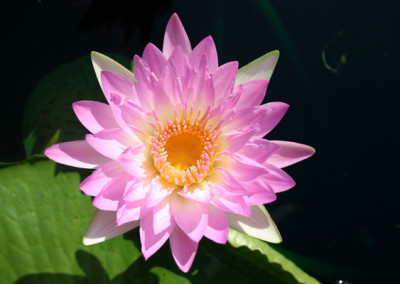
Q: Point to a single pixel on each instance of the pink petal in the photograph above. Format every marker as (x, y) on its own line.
(244, 118)
(136, 163)
(198, 192)
(76, 154)
(253, 93)
(175, 35)
(94, 183)
(205, 47)
(179, 62)
(150, 241)
(198, 90)
(190, 216)
(135, 119)
(218, 227)
(131, 211)
(270, 115)
(159, 189)
(289, 153)
(245, 169)
(155, 59)
(260, 225)
(117, 89)
(112, 193)
(235, 140)
(225, 111)
(104, 227)
(262, 198)
(259, 150)
(111, 142)
(259, 192)
(162, 217)
(278, 179)
(237, 204)
(135, 190)
(183, 249)
(224, 80)
(223, 183)
(94, 116)
(144, 86)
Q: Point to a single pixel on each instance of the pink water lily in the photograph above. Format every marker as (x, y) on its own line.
(178, 151)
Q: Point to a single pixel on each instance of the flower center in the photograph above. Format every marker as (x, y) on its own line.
(184, 150)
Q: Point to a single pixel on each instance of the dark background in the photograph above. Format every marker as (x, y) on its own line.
(342, 218)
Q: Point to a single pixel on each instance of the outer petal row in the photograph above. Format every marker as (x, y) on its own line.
(103, 226)
(104, 63)
(260, 225)
(76, 154)
(261, 68)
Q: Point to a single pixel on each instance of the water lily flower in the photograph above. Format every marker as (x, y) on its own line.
(178, 151)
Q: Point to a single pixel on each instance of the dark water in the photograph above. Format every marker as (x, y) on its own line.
(344, 211)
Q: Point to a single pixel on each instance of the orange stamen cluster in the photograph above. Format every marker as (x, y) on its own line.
(184, 150)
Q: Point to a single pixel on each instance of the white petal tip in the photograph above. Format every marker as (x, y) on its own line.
(92, 241)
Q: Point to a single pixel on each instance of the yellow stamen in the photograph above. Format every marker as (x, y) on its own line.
(184, 150)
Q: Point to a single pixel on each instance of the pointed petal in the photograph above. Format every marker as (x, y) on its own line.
(224, 80)
(289, 153)
(259, 192)
(162, 217)
(237, 204)
(278, 179)
(94, 183)
(117, 89)
(104, 227)
(260, 225)
(217, 228)
(235, 140)
(245, 169)
(150, 241)
(159, 189)
(135, 117)
(131, 211)
(205, 47)
(136, 163)
(155, 59)
(104, 63)
(253, 93)
(183, 249)
(146, 85)
(77, 154)
(260, 68)
(259, 150)
(112, 193)
(111, 142)
(190, 216)
(175, 35)
(198, 192)
(269, 116)
(95, 116)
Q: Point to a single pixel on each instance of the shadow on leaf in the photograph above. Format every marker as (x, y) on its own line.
(94, 273)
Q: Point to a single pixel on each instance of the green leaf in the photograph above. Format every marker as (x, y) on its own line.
(265, 257)
(43, 219)
(49, 108)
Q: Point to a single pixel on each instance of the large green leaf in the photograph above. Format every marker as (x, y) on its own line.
(48, 115)
(43, 219)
